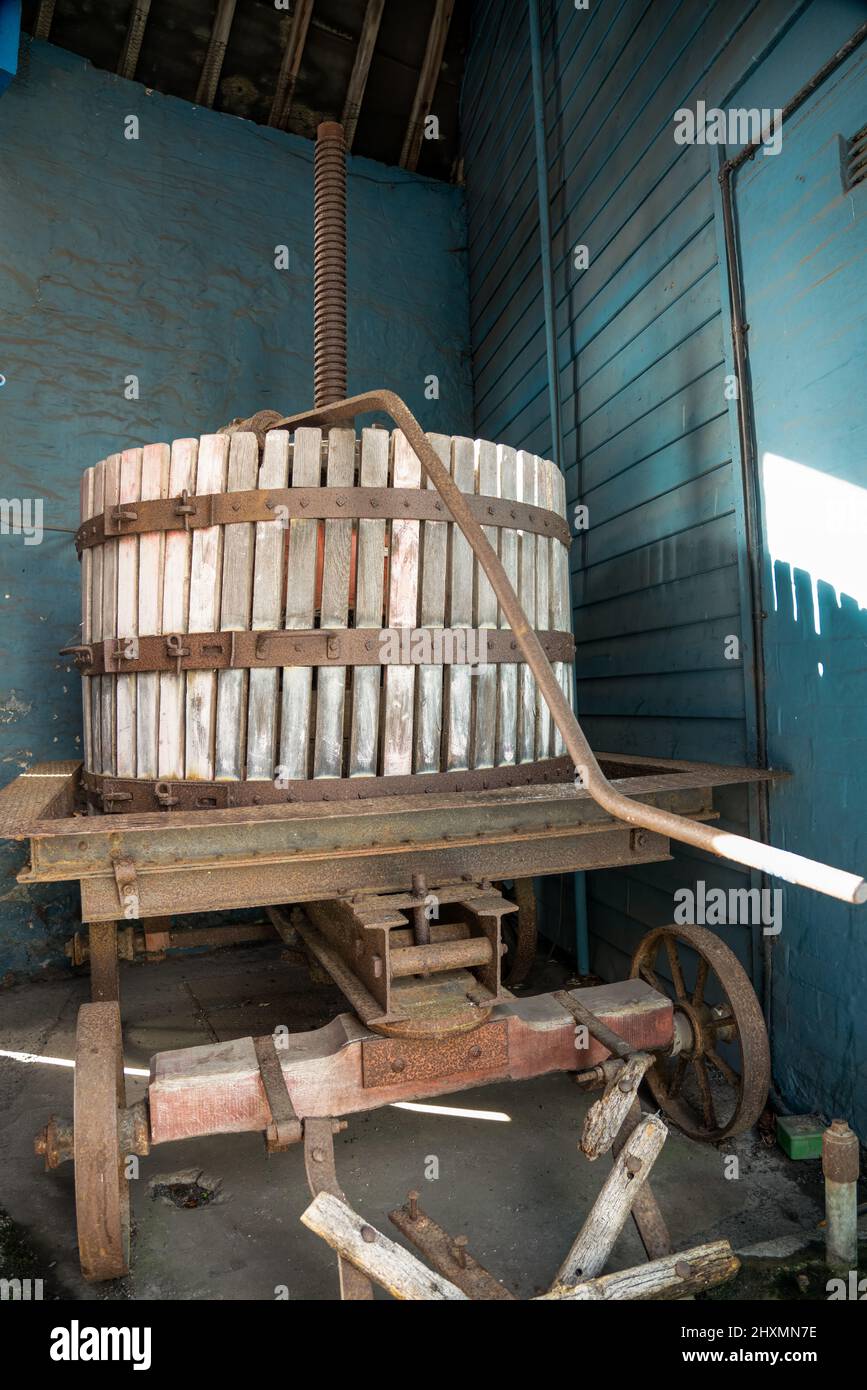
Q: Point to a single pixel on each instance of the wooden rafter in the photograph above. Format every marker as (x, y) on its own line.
(213, 64)
(360, 69)
(44, 16)
(427, 81)
(138, 18)
(290, 65)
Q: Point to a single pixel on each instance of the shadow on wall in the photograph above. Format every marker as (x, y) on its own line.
(816, 666)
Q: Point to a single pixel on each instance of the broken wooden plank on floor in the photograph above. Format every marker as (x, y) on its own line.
(448, 1254)
(381, 1259)
(607, 1217)
(673, 1277)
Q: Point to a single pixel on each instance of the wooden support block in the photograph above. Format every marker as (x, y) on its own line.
(606, 1115)
(676, 1276)
(388, 1264)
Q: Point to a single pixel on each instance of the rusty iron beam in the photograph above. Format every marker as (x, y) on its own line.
(205, 887)
(360, 69)
(290, 64)
(427, 82)
(794, 868)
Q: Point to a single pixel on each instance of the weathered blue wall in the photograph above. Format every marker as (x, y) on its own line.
(660, 578)
(155, 257)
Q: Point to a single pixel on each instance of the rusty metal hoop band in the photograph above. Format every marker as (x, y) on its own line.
(190, 511)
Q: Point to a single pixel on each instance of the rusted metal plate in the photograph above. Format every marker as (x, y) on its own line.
(460, 1056)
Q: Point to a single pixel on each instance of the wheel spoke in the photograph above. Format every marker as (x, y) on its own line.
(677, 1075)
(676, 970)
(700, 981)
(722, 1066)
(707, 1105)
(650, 978)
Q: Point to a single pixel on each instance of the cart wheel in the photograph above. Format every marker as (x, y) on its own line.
(101, 1187)
(520, 933)
(723, 1014)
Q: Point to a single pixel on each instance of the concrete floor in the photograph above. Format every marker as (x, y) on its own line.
(519, 1189)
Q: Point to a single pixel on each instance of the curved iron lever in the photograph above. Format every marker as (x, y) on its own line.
(794, 868)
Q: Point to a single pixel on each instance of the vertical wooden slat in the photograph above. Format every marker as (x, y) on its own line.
(176, 593)
(94, 684)
(205, 585)
(154, 483)
(109, 619)
(334, 611)
(370, 558)
(507, 674)
(545, 498)
(485, 681)
(127, 614)
(460, 615)
(235, 608)
(527, 595)
(434, 554)
(267, 598)
(300, 610)
(86, 512)
(399, 681)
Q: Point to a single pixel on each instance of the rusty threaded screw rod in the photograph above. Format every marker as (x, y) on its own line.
(329, 265)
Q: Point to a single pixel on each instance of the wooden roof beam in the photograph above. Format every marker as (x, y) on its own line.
(360, 69)
(44, 16)
(213, 64)
(427, 81)
(290, 65)
(138, 18)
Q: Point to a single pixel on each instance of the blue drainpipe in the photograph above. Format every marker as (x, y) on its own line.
(582, 941)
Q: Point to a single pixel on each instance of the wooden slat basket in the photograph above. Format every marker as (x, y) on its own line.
(341, 641)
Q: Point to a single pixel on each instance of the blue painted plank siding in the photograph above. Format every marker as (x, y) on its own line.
(659, 580)
(156, 257)
(641, 357)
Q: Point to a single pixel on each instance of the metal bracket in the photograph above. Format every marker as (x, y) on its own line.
(285, 1127)
(127, 887)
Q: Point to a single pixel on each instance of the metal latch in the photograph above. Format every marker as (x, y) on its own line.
(285, 1126)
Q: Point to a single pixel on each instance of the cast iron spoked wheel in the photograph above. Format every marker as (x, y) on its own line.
(101, 1187)
(520, 933)
(705, 1095)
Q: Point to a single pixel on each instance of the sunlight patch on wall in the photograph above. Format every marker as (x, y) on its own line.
(816, 523)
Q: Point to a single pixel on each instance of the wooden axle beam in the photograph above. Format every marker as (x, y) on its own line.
(344, 1069)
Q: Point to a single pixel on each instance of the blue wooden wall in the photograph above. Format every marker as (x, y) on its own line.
(804, 253)
(642, 341)
(155, 257)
